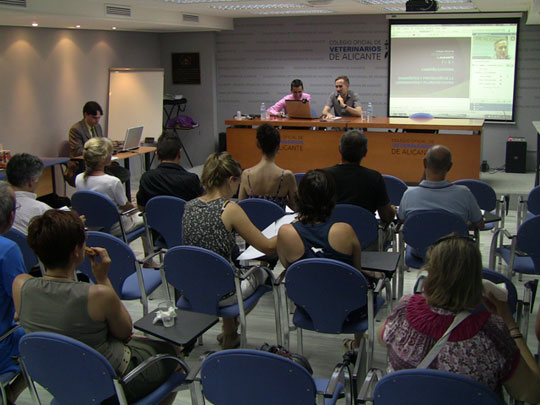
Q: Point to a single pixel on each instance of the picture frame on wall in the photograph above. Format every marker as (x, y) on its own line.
(186, 68)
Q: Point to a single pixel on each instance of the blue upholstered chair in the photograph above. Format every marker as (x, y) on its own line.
(163, 214)
(245, 377)
(129, 279)
(395, 187)
(528, 207)
(29, 257)
(74, 373)
(363, 222)
(261, 212)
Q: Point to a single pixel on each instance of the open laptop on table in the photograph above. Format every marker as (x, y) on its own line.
(299, 109)
(131, 141)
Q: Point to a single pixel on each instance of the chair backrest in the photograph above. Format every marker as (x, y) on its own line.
(499, 278)
(362, 221)
(298, 177)
(424, 227)
(533, 201)
(483, 192)
(261, 212)
(328, 290)
(201, 276)
(29, 257)
(395, 188)
(254, 377)
(71, 371)
(122, 259)
(528, 240)
(427, 386)
(64, 149)
(99, 210)
(164, 215)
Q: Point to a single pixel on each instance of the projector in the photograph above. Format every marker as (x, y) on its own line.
(421, 5)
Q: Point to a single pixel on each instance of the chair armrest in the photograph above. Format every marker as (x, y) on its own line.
(341, 372)
(9, 332)
(194, 372)
(148, 362)
(532, 286)
(151, 256)
(368, 386)
(129, 212)
(379, 286)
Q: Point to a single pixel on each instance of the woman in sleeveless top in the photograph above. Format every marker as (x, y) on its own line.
(486, 346)
(211, 221)
(93, 314)
(266, 179)
(314, 235)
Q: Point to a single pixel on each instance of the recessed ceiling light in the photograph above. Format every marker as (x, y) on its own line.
(291, 12)
(113, 28)
(202, 1)
(35, 24)
(259, 6)
(77, 26)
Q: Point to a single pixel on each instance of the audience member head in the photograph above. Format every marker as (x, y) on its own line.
(97, 153)
(454, 281)
(353, 146)
(316, 197)
(168, 146)
(7, 207)
(438, 160)
(22, 169)
(218, 169)
(54, 236)
(92, 113)
(268, 139)
(297, 89)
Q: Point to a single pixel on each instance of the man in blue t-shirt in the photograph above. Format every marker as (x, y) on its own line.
(11, 265)
(435, 192)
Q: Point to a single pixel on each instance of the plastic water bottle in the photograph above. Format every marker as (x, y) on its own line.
(369, 111)
(263, 111)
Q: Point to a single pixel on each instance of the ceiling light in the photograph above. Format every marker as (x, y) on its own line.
(113, 28)
(458, 7)
(202, 1)
(258, 6)
(291, 12)
(77, 26)
(35, 24)
(376, 2)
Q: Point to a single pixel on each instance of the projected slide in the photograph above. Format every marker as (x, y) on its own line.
(453, 70)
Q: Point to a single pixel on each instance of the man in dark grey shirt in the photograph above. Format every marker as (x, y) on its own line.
(343, 101)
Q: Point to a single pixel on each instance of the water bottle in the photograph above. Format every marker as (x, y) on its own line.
(263, 111)
(369, 111)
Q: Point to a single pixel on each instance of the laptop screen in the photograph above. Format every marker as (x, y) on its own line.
(133, 138)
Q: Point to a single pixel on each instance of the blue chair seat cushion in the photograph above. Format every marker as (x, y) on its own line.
(131, 236)
(231, 310)
(356, 321)
(130, 288)
(322, 383)
(522, 264)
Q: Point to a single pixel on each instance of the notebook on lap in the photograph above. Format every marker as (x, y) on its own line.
(131, 141)
(299, 109)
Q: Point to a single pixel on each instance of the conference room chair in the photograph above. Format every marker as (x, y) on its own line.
(261, 212)
(246, 377)
(204, 277)
(487, 200)
(326, 292)
(30, 259)
(74, 373)
(395, 188)
(427, 386)
(129, 278)
(298, 177)
(528, 207)
(8, 376)
(102, 213)
(363, 222)
(419, 231)
(163, 215)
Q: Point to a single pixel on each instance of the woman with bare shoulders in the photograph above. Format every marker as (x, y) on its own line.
(266, 179)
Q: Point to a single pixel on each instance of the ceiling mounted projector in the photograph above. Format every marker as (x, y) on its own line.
(421, 5)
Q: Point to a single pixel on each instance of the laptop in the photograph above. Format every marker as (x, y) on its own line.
(131, 141)
(299, 109)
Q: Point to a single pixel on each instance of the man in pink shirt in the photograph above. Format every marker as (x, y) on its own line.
(297, 93)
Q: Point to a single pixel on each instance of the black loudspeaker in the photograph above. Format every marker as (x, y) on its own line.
(222, 142)
(516, 155)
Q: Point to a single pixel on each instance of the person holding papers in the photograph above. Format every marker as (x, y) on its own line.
(211, 222)
(297, 93)
(344, 101)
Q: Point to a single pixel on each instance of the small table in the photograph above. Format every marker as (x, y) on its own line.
(490, 217)
(188, 326)
(385, 262)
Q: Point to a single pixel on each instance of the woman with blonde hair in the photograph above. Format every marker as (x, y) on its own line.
(211, 222)
(485, 346)
(266, 179)
(97, 155)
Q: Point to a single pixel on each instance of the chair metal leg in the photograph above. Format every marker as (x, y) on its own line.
(277, 315)
(242, 313)
(299, 342)
(284, 314)
(197, 397)
(144, 297)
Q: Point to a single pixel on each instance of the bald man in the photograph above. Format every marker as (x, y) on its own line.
(437, 193)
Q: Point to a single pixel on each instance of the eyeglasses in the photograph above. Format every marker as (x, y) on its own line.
(455, 236)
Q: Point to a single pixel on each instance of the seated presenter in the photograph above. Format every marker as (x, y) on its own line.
(344, 101)
(297, 93)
